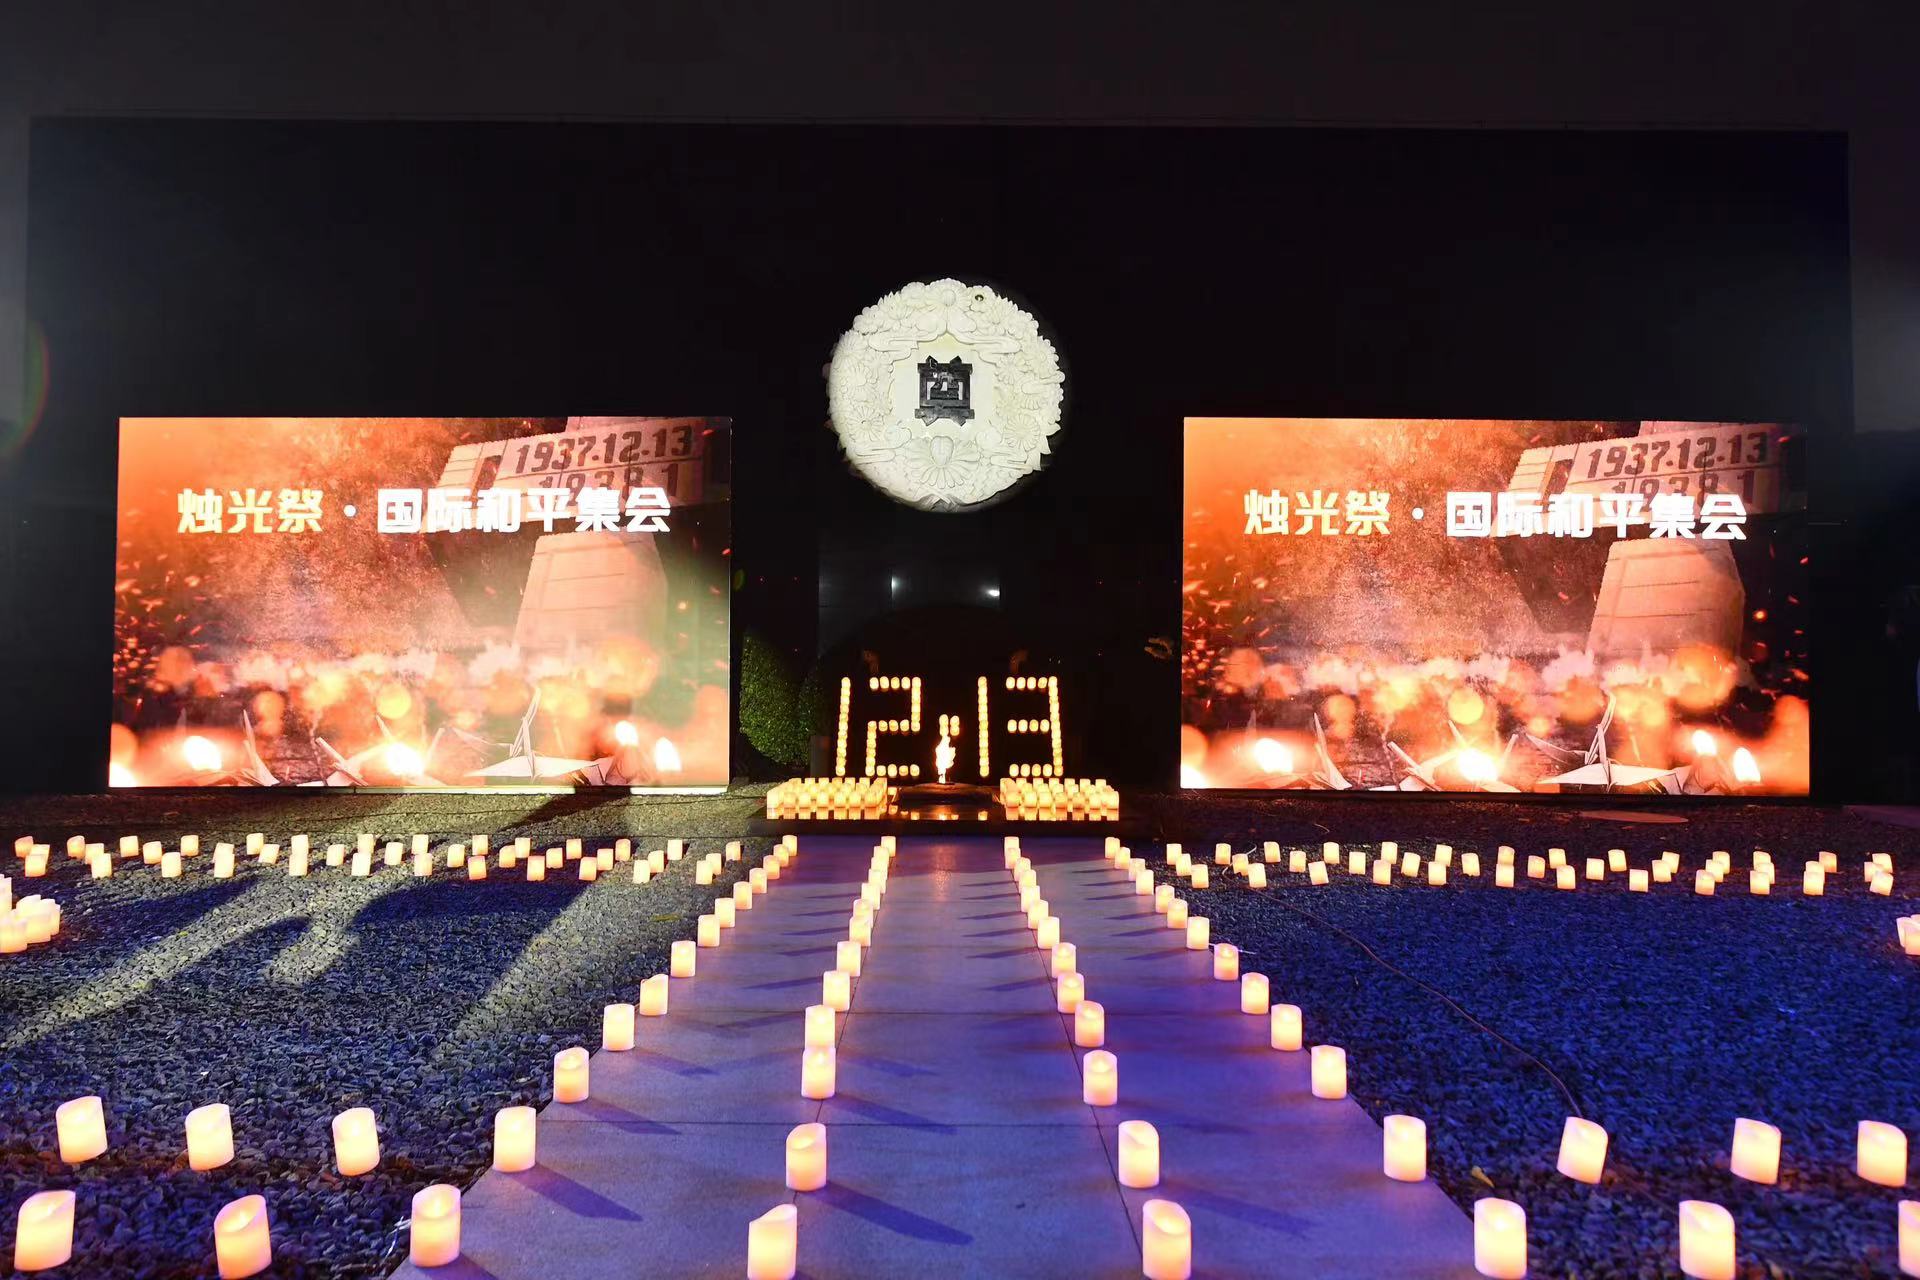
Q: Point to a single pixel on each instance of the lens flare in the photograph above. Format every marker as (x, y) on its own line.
(202, 754)
(1272, 756)
(403, 761)
(1746, 769)
(666, 756)
(1476, 766)
(1703, 744)
(625, 735)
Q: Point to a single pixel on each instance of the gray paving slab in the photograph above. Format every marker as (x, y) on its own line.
(958, 1142)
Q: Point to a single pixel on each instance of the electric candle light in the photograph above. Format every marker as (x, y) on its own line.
(1329, 1072)
(860, 929)
(1499, 1239)
(242, 1241)
(572, 1075)
(616, 1028)
(1253, 993)
(1100, 1079)
(816, 1073)
(846, 956)
(514, 1135)
(392, 853)
(1813, 882)
(336, 855)
(1596, 869)
(149, 852)
(1197, 930)
(773, 1244)
(1163, 898)
(82, 1127)
(1090, 1024)
(1437, 874)
(1048, 935)
(1139, 1154)
(1410, 865)
(209, 1136)
(1536, 867)
(1177, 914)
(1226, 962)
(1583, 1150)
(724, 913)
(836, 989)
(1283, 1027)
(1357, 862)
(476, 868)
(1880, 1155)
(1383, 872)
(1470, 864)
(1297, 861)
(1636, 881)
(434, 1240)
(1756, 1151)
(1910, 1237)
(1403, 1142)
(819, 1026)
(1564, 878)
(537, 869)
(653, 997)
(1166, 1241)
(1703, 883)
(707, 931)
(356, 1141)
(129, 845)
(43, 1237)
(169, 865)
(1037, 910)
(1256, 877)
(1706, 1241)
(1065, 960)
(1069, 991)
(682, 958)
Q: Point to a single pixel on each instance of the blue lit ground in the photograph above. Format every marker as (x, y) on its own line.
(1665, 1016)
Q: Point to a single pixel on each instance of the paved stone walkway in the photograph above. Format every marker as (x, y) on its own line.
(958, 1143)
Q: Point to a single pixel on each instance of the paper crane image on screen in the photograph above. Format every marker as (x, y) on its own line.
(1597, 771)
(205, 764)
(628, 766)
(526, 764)
(391, 762)
(1480, 771)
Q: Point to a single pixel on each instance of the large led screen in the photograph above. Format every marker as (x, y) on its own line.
(422, 602)
(1495, 606)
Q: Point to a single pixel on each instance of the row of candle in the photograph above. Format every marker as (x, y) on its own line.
(1707, 1230)
(1047, 799)
(773, 1240)
(842, 798)
(242, 1234)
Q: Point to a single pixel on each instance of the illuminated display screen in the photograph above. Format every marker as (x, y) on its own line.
(422, 602)
(1458, 605)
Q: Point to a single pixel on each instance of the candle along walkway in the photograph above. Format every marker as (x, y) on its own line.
(958, 1143)
(1276, 1181)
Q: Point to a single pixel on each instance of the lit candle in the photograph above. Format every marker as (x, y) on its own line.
(1047, 936)
(1756, 1151)
(653, 996)
(807, 1157)
(1317, 873)
(1470, 864)
(1813, 882)
(1256, 876)
(725, 912)
(1177, 914)
(1564, 878)
(846, 955)
(1329, 1071)
(1139, 1154)
(242, 1243)
(1283, 1027)
(1404, 1148)
(1253, 993)
(1583, 1150)
(742, 896)
(476, 868)
(1065, 959)
(1226, 962)
(1197, 930)
(836, 989)
(1499, 1239)
(820, 1026)
(515, 1132)
(209, 1136)
(82, 1127)
(356, 1141)
(1706, 1241)
(1090, 1024)
(1166, 1238)
(169, 865)
(1100, 1079)
(434, 1240)
(773, 1244)
(616, 1028)
(1910, 1237)
(816, 1073)
(707, 931)
(1069, 991)
(43, 1238)
(1881, 1154)
(1637, 880)
(683, 960)
(572, 1075)
(1703, 882)
(536, 869)
(1596, 869)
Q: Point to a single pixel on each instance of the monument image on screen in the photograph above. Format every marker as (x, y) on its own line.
(422, 602)
(1495, 606)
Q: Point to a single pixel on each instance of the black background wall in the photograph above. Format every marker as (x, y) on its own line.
(214, 267)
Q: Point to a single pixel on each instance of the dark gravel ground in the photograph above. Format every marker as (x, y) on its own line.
(432, 1002)
(1664, 1015)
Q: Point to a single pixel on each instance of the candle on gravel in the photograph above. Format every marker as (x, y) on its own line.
(1756, 1151)
(242, 1238)
(1706, 1241)
(81, 1126)
(356, 1141)
(1881, 1154)
(209, 1136)
(43, 1235)
(1583, 1150)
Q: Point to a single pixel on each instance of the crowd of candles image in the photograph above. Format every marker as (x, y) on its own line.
(242, 1229)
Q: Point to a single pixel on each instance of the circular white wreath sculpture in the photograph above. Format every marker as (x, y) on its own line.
(944, 394)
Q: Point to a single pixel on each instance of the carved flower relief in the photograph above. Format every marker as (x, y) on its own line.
(945, 462)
